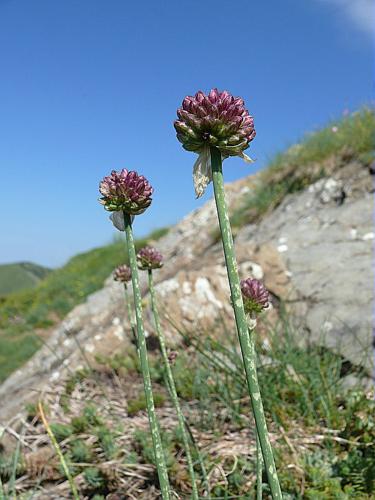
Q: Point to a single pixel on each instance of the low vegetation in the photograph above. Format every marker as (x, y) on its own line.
(317, 155)
(322, 429)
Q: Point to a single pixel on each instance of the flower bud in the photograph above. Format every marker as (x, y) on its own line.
(216, 119)
(255, 296)
(122, 273)
(125, 191)
(172, 356)
(149, 258)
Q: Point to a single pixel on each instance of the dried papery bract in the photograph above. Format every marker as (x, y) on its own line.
(130, 193)
(148, 260)
(218, 122)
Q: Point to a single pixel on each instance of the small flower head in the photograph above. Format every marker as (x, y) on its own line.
(125, 191)
(149, 258)
(122, 273)
(172, 356)
(255, 296)
(216, 119)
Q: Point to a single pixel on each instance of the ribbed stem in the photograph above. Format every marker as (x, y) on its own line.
(142, 351)
(245, 339)
(172, 385)
(259, 469)
(130, 313)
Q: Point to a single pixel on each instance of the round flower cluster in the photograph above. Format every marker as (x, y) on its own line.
(255, 296)
(149, 258)
(216, 119)
(122, 273)
(125, 191)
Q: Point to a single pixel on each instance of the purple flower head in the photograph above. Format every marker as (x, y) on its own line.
(255, 295)
(216, 119)
(122, 273)
(126, 191)
(149, 258)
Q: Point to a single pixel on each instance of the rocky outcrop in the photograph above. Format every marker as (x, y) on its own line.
(314, 253)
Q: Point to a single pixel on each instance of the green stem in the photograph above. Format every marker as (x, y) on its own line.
(259, 470)
(130, 313)
(245, 339)
(142, 350)
(172, 385)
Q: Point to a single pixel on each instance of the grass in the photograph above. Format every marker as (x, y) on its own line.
(303, 393)
(139, 404)
(24, 312)
(308, 161)
(20, 276)
(325, 432)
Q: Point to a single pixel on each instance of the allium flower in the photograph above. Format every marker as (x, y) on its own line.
(255, 295)
(122, 273)
(216, 119)
(125, 191)
(149, 258)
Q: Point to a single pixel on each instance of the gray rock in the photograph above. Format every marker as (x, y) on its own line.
(314, 252)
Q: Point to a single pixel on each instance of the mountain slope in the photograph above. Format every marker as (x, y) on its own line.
(20, 276)
(305, 243)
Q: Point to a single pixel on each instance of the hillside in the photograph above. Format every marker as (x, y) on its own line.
(20, 276)
(27, 316)
(304, 226)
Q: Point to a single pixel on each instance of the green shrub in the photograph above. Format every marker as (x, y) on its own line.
(61, 431)
(106, 440)
(81, 452)
(94, 478)
(138, 404)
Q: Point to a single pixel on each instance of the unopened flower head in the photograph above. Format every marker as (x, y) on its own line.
(255, 296)
(216, 119)
(126, 191)
(122, 273)
(149, 258)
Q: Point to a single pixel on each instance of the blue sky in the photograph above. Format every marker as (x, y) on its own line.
(91, 86)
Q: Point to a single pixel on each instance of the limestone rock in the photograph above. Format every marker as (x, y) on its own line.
(314, 252)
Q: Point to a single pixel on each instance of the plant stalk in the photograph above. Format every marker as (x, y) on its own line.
(172, 385)
(259, 469)
(130, 314)
(142, 351)
(245, 338)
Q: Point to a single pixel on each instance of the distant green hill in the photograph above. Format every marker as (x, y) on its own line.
(20, 276)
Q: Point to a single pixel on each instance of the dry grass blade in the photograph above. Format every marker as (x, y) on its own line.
(58, 451)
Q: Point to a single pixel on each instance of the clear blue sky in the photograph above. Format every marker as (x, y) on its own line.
(93, 85)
